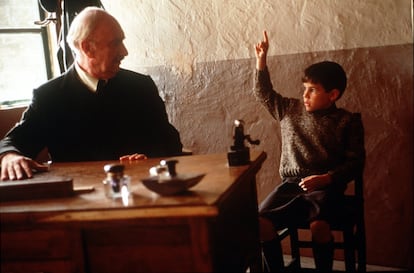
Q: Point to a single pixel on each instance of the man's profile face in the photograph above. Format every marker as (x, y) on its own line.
(108, 49)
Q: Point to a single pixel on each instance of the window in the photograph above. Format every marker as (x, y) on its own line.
(24, 52)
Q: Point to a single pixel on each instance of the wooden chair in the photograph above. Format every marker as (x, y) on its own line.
(352, 227)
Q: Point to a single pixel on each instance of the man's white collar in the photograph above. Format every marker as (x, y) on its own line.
(88, 80)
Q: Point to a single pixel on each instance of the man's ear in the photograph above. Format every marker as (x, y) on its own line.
(334, 95)
(87, 47)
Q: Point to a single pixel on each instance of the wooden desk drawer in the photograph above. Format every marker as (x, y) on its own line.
(34, 245)
(163, 245)
(51, 251)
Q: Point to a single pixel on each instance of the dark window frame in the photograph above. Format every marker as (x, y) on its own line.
(46, 39)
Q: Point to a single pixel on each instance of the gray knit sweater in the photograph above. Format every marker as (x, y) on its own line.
(327, 141)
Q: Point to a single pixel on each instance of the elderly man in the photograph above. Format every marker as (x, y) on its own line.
(77, 119)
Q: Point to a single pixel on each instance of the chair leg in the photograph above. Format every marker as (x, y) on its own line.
(361, 246)
(272, 256)
(349, 250)
(362, 264)
(294, 247)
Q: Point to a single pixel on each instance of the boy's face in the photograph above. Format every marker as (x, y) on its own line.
(316, 98)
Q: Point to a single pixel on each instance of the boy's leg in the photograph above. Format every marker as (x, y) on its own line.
(322, 245)
(278, 209)
(273, 255)
(323, 256)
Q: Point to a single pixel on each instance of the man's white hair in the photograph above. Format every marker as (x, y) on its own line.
(83, 25)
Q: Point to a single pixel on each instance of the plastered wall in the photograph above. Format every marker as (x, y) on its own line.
(200, 53)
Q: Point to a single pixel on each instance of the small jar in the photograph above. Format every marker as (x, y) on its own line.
(165, 171)
(116, 183)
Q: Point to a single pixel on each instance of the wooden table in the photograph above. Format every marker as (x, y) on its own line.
(211, 228)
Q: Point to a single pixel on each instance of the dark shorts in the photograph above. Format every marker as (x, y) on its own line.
(289, 205)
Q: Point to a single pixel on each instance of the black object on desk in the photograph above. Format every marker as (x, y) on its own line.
(240, 154)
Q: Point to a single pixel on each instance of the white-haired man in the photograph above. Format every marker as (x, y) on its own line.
(77, 121)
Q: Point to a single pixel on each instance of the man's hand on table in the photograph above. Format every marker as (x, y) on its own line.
(15, 166)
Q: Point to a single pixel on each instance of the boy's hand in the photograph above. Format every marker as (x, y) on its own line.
(315, 182)
(261, 52)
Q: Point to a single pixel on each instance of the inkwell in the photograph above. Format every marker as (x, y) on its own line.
(116, 183)
(239, 154)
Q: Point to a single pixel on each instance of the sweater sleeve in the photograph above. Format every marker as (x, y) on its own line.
(354, 152)
(275, 103)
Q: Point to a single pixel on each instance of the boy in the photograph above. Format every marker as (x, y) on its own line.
(322, 150)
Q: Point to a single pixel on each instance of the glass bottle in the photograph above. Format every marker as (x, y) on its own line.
(116, 183)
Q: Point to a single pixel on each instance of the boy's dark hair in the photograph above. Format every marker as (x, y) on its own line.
(328, 74)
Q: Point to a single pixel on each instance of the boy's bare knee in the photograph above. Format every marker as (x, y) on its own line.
(321, 231)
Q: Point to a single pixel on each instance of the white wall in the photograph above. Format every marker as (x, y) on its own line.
(181, 33)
